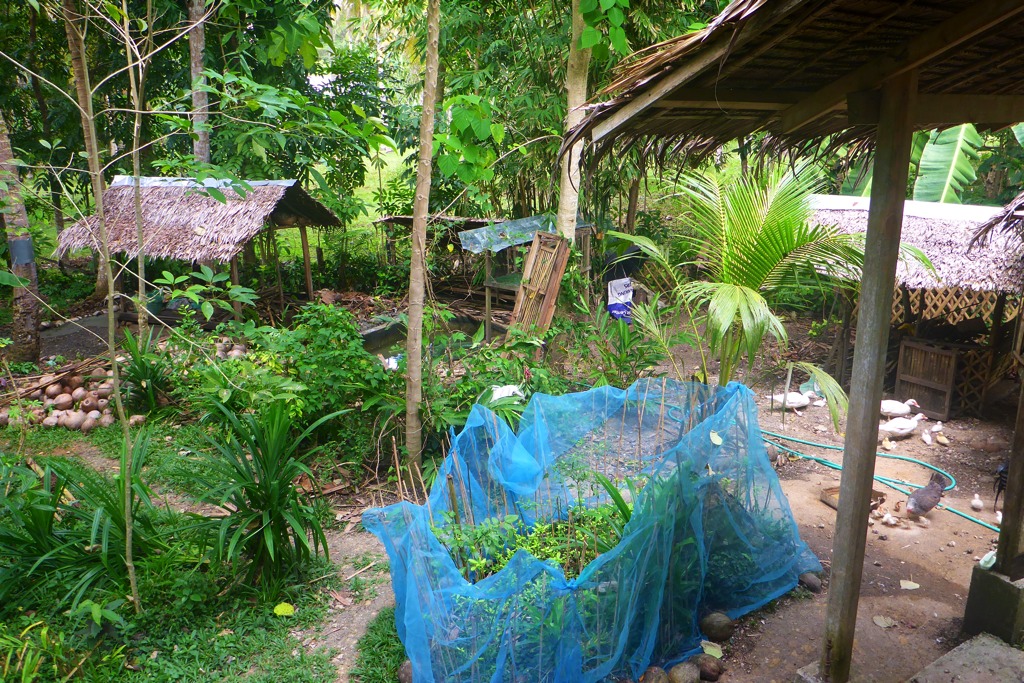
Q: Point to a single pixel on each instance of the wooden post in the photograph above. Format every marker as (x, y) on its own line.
(277, 269)
(1011, 531)
(234, 281)
(306, 261)
(488, 325)
(885, 222)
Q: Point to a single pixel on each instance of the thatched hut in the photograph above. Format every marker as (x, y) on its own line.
(957, 325)
(193, 221)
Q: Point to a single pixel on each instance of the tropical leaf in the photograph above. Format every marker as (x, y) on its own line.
(1018, 132)
(947, 164)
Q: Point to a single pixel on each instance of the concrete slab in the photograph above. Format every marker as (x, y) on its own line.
(995, 605)
(982, 659)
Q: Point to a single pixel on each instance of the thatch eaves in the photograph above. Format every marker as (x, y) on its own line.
(787, 68)
(183, 221)
(1009, 222)
(944, 232)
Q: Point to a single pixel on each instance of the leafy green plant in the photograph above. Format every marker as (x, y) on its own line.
(209, 291)
(146, 374)
(624, 351)
(271, 525)
(64, 549)
(380, 650)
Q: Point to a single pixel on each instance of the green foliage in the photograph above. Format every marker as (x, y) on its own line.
(272, 528)
(947, 164)
(380, 651)
(571, 541)
(65, 289)
(624, 352)
(210, 290)
(64, 550)
(146, 372)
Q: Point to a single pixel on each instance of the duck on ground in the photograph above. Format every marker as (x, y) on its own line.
(891, 408)
(793, 400)
(899, 427)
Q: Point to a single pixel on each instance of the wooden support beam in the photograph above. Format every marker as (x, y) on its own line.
(488, 323)
(713, 98)
(306, 262)
(936, 42)
(885, 222)
(719, 48)
(1011, 531)
(235, 282)
(936, 110)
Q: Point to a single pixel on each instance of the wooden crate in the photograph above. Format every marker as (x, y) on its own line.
(927, 373)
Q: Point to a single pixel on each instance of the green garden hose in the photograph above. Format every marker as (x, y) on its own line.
(897, 484)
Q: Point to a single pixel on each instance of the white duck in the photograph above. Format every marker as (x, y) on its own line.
(891, 408)
(793, 400)
(899, 427)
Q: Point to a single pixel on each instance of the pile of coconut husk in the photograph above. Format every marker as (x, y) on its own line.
(77, 398)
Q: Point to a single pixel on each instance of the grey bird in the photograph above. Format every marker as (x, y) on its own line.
(921, 501)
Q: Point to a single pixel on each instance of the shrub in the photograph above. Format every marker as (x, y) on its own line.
(146, 372)
(271, 524)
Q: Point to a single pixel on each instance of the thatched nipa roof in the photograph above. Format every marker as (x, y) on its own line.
(944, 232)
(788, 67)
(183, 220)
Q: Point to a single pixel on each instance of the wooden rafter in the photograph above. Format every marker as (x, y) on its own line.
(932, 44)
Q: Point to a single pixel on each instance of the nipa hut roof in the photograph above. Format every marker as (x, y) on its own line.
(787, 67)
(182, 220)
(944, 232)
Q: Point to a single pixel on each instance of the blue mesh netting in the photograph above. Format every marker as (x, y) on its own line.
(710, 531)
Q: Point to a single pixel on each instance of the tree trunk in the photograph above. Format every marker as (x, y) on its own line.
(74, 26)
(200, 99)
(576, 97)
(19, 241)
(417, 267)
(137, 86)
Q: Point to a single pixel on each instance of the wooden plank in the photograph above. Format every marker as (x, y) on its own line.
(934, 110)
(306, 261)
(542, 277)
(940, 40)
(488, 324)
(714, 98)
(885, 221)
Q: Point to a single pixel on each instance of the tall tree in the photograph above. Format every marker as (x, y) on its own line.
(417, 266)
(200, 99)
(19, 241)
(576, 96)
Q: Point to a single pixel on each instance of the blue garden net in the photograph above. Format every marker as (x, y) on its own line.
(710, 530)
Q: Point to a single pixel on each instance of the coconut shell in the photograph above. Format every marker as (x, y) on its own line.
(36, 395)
(53, 390)
(74, 381)
(136, 420)
(4, 418)
(79, 393)
(50, 421)
(717, 626)
(46, 379)
(75, 420)
(94, 414)
(102, 403)
(89, 403)
(88, 425)
(106, 420)
(63, 401)
(105, 390)
(654, 674)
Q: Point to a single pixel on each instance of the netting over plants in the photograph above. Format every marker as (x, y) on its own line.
(694, 522)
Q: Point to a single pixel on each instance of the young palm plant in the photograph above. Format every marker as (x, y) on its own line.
(748, 241)
(252, 473)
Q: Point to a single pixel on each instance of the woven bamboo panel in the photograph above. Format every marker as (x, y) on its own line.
(953, 304)
(973, 378)
(542, 277)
